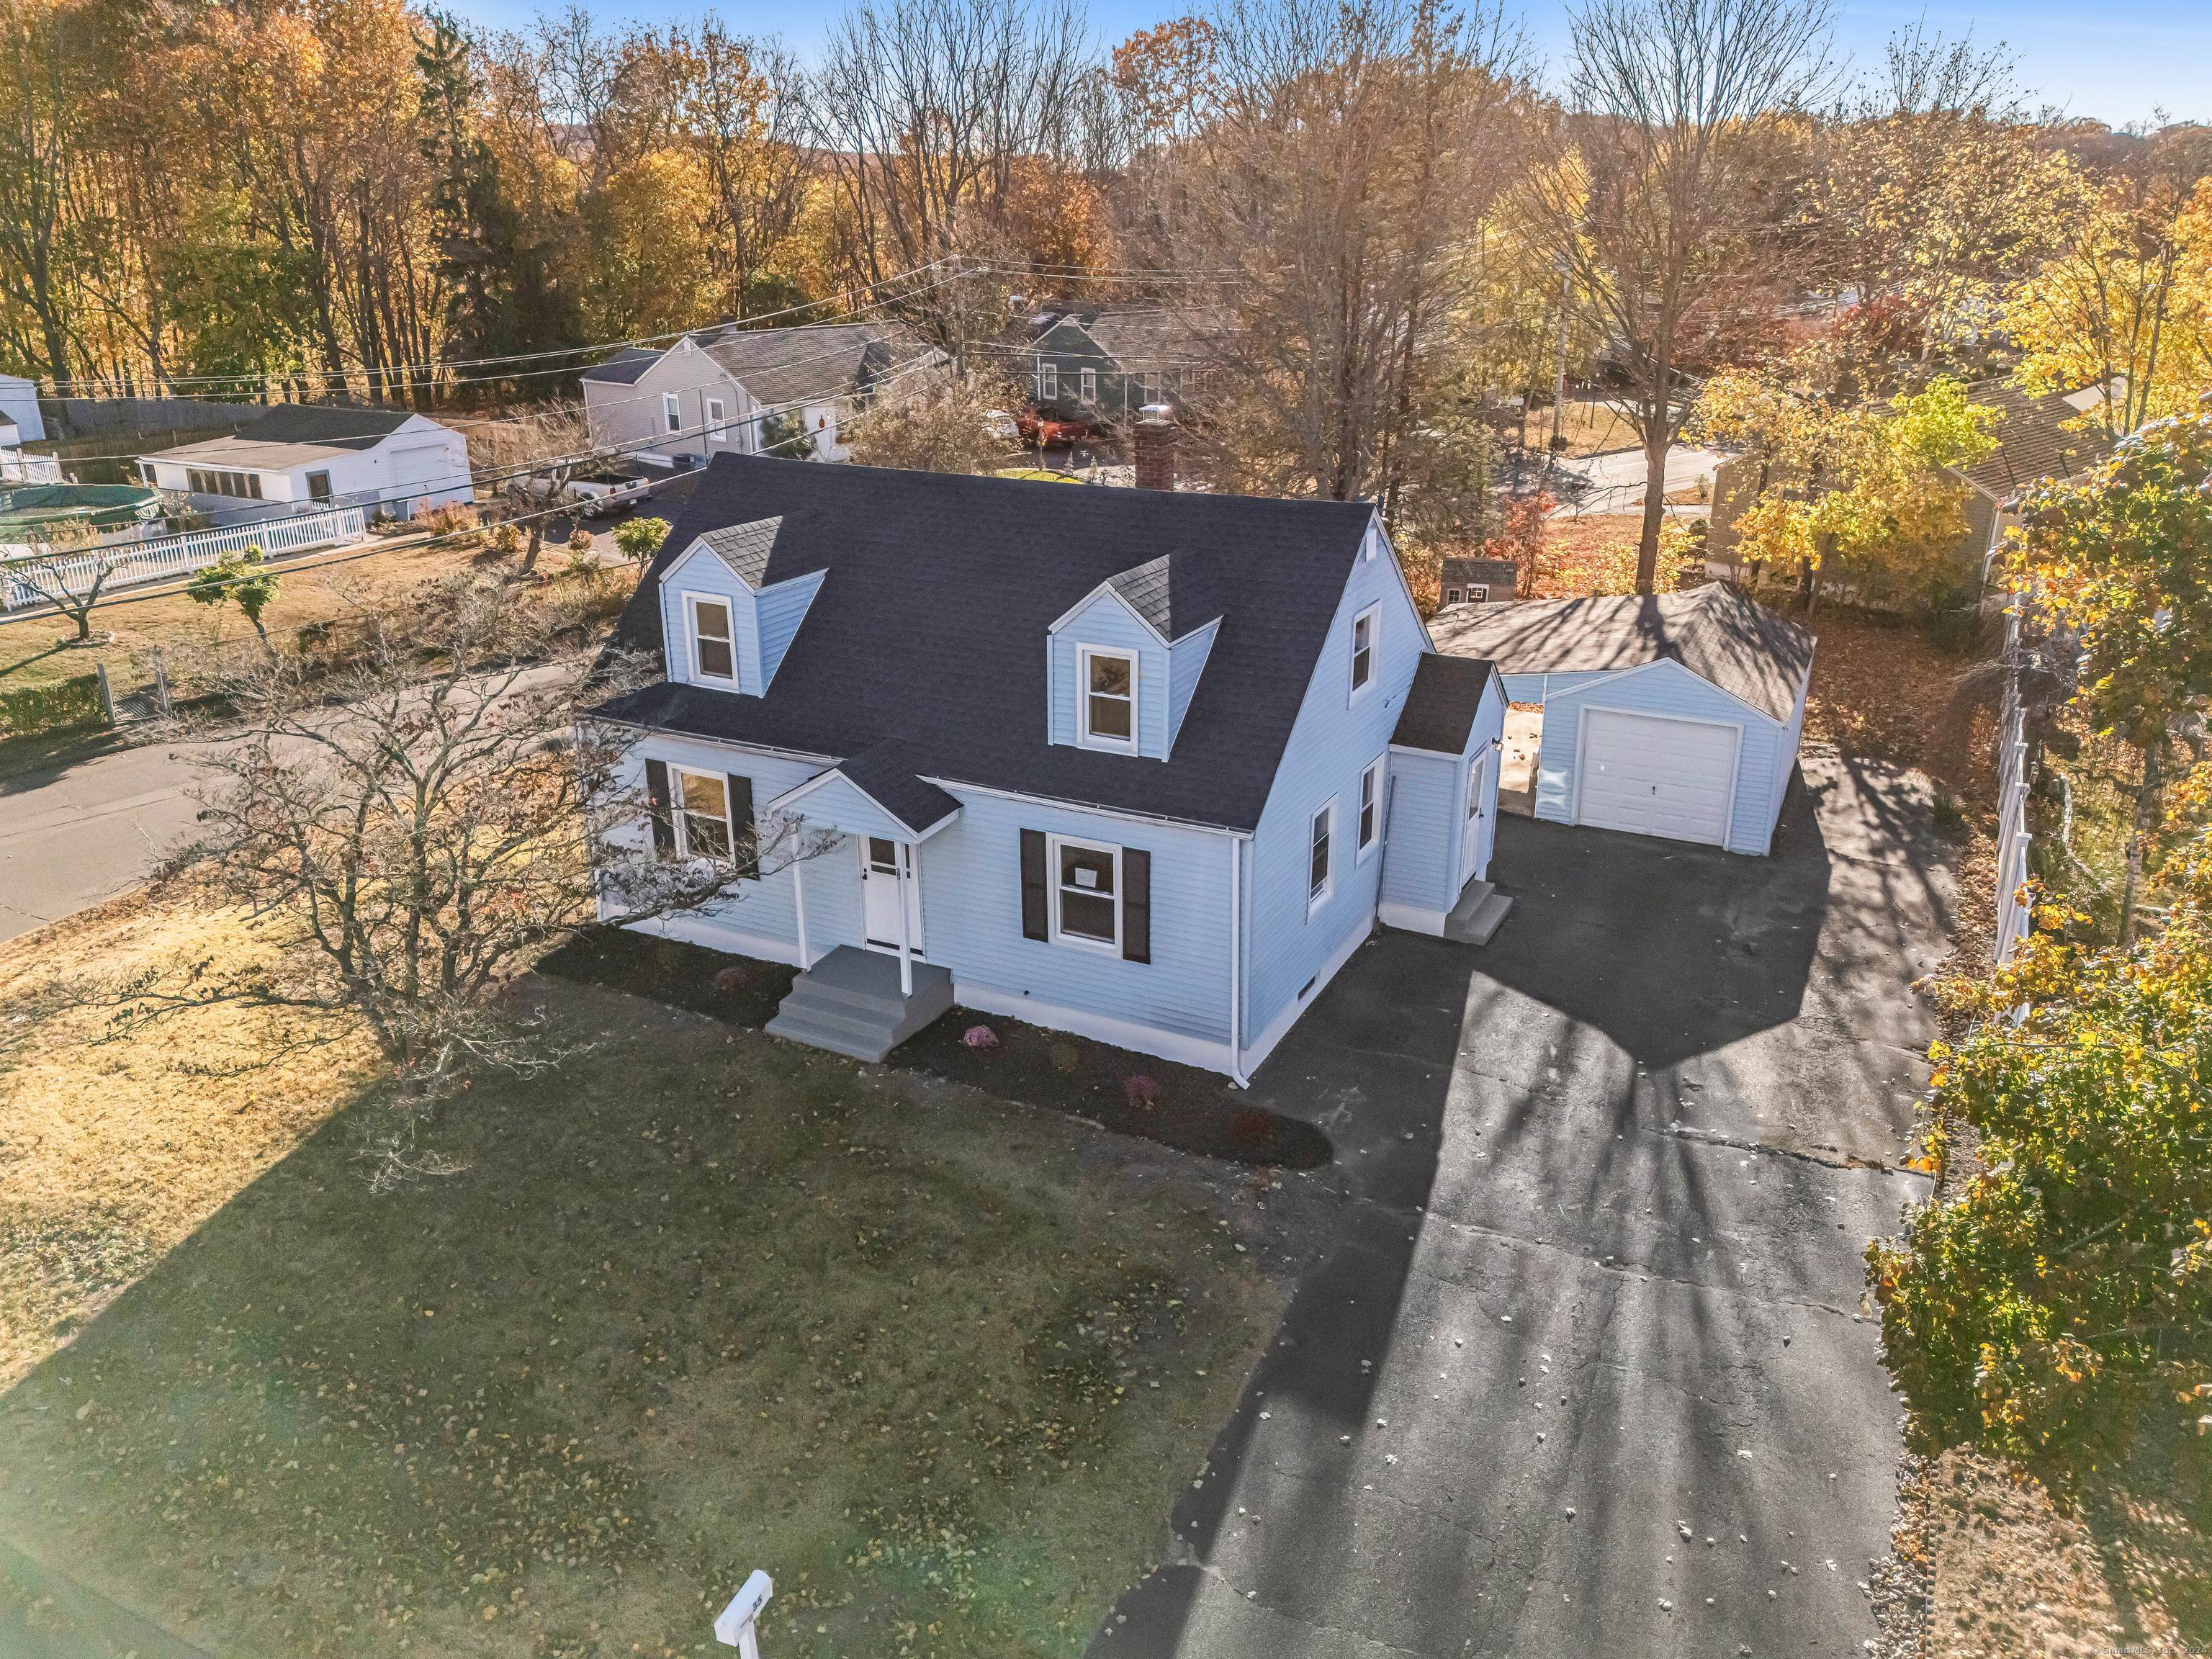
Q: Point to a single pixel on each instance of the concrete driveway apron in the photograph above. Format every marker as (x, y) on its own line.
(1589, 1371)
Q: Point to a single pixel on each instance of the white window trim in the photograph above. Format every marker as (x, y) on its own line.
(1088, 386)
(1085, 738)
(691, 603)
(1047, 381)
(1081, 941)
(683, 814)
(1372, 616)
(1453, 595)
(1317, 899)
(717, 419)
(671, 415)
(1366, 848)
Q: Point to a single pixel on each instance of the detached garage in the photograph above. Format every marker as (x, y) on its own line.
(1674, 715)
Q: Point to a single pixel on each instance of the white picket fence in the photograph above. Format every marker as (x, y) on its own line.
(179, 555)
(2013, 838)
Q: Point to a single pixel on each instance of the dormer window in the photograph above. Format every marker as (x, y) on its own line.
(713, 656)
(1109, 699)
(1363, 628)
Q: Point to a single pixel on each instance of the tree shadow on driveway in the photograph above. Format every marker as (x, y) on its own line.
(1601, 1278)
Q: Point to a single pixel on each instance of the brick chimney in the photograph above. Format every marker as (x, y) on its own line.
(1155, 447)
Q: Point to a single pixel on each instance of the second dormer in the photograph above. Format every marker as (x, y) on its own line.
(725, 626)
(1123, 663)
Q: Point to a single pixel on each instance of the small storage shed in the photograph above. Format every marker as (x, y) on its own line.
(1674, 714)
(299, 458)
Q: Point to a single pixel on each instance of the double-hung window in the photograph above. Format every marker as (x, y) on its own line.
(714, 421)
(318, 486)
(714, 655)
(1370, 807)
(1047, 382)
(702, 815)
(1086, 900)
(671, 411)
(1090, 385)
(1109, 699)
(1321, 871)
(1364, 627)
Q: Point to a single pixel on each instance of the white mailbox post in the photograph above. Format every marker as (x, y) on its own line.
(734, 1629)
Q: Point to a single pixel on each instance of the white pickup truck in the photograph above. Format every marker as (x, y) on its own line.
(595, 493)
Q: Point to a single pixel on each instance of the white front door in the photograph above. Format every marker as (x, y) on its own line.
(887, 867)
(1474, 840)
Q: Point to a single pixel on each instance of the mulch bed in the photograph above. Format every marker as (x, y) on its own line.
(1180, 1106)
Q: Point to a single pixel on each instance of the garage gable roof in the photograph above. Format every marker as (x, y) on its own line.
(1757, 655)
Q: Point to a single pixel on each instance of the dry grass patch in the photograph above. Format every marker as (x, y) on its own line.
(701, 1302)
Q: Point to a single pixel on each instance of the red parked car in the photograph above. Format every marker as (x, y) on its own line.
(1048, 428)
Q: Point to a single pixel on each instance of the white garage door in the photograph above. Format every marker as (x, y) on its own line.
(1656, 777)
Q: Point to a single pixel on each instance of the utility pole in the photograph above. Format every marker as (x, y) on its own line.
(1559, 389)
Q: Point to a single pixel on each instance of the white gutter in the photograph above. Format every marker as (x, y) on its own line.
(1236, 963)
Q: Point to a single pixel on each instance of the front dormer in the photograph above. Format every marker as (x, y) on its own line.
(725, 626)
(1121, 676)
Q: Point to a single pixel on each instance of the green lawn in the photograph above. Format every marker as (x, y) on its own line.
(702, 1303)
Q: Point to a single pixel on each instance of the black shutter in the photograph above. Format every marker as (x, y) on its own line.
(656, 799)
(1136, 905)
(1035, 919)
(745, 839)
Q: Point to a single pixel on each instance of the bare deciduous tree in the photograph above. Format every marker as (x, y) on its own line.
(947, 428)
(418, 828)
(1671, 190)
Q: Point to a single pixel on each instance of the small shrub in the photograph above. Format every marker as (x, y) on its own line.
(47, 707)
(732, 978)
(980, 1036)
(1949, 813)
(451, 519)
(1140, 1091)
(580, 542)
(639, 539)
(507, 538)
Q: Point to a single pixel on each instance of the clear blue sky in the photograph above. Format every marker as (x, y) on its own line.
(2116, 62)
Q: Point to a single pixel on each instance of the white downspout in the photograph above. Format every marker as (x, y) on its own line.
(1237, 961)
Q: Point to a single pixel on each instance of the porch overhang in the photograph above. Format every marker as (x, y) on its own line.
(873, 793)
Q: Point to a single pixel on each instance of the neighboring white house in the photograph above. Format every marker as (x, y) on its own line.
(20, 424)
(737, 391)
(297, 457)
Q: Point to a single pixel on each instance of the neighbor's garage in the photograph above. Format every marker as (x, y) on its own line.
(1676, 715)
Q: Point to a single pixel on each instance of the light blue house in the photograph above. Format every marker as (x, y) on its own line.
(1674, 714)
(1145, 766)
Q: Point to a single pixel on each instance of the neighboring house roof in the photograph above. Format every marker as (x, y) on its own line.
(1493, 573)
(1153, 335)
(832, 360)
(290, 434)
(1441, 707)
(2032, 440)
(624, 368)
(931, 623)
(1750, 652)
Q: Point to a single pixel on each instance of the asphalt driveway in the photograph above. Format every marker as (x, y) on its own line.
(1583, 1371)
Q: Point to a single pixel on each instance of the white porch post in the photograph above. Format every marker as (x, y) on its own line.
(799, 891)
(907, 850)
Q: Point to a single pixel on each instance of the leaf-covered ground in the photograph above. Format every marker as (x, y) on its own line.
(702, 1303)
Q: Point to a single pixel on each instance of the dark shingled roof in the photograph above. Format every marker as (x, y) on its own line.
(1440, 706)
(744, 548)
(2033, 442)
(624, 368)
(1153, 588)
(885, 773)
(334, 427)
(828, 360)
(1748, 651)
(936, 595)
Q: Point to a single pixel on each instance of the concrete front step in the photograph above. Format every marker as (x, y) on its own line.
(849, 1003)
(1481, 912)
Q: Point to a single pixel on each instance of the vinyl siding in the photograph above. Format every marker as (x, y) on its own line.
(1785, 755)
(767, 909)
(1417, 855)
(843, 803)
(781, 609)
(1536, 688)
(1664, 688)
(1107, 622)
(628, 417)
(1186, 662)
(971, 907)
(1329, 743)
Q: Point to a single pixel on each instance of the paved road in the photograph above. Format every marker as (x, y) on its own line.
(75, 834)
(1613, 483)
(1615, 1173)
